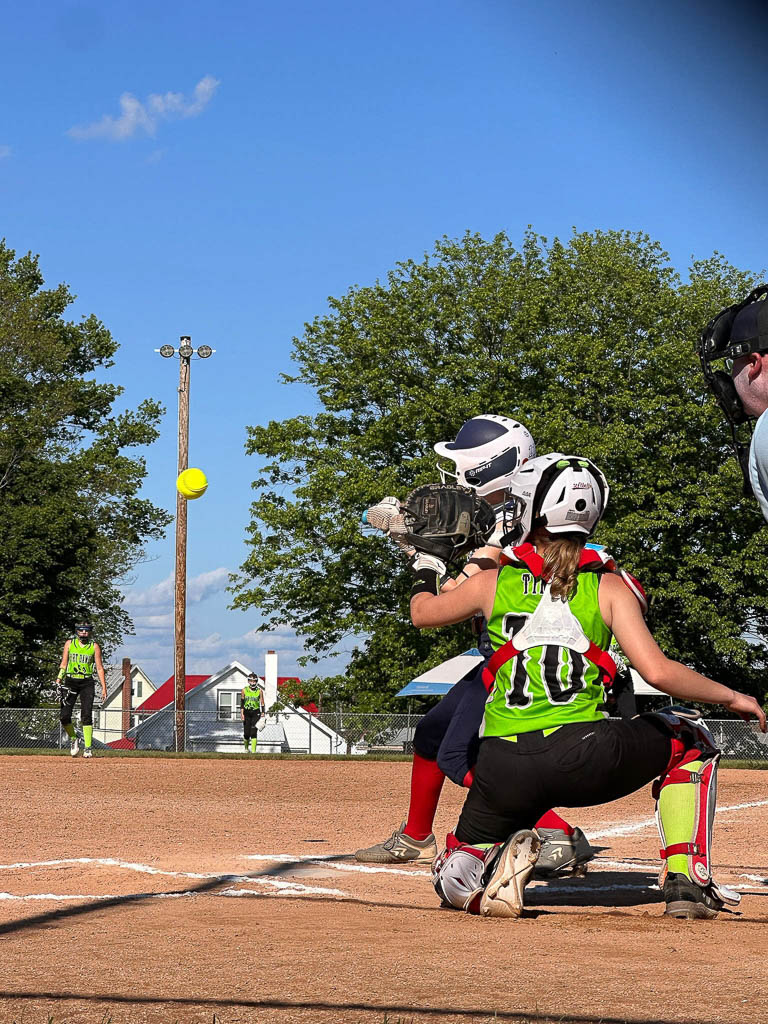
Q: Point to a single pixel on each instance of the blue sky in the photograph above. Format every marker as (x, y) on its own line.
(220, 170)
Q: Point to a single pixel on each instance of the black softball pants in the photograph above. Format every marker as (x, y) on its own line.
(72, 689)
(579, 765)
(250, 720)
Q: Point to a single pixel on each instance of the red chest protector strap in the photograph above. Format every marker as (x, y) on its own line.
(590, 562)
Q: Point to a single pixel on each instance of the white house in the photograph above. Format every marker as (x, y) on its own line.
(213, 722)
(128, 686)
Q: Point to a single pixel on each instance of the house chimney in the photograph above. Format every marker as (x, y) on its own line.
(270, 679)
(127, 695)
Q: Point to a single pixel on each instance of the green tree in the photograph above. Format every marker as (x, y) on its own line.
(71, 524)
(590, 344)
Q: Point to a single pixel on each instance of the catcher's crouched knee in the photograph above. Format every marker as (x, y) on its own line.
(458, 874)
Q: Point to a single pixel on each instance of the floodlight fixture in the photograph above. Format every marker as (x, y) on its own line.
(185, 349)
(204, 351)
(166, 351)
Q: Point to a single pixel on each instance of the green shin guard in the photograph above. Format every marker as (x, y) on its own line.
(253, 745)
(677, 809)
(88, 736)
(69, 729)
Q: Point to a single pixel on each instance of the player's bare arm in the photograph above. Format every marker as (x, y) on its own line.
(100, 670)
(64, 662)
(622, 615)
(473, 597)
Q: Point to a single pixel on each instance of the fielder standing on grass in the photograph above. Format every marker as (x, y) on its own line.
(251, 710)
(81, 657)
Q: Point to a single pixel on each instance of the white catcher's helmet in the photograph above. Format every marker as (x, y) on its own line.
(486, 453)
(564, 493)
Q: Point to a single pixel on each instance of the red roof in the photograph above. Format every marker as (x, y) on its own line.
(123, 744)
(163, 695)
(292, 687)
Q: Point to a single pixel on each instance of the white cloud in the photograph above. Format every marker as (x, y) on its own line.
(137, 118)
(152, 645)
(5, 152)
(210, 645)
(160, 595)
(207, 583)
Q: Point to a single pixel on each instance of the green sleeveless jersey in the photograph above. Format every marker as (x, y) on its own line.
(81, 661)
(251, 699)
(543, 687)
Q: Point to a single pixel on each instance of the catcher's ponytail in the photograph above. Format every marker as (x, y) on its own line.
(561, 561)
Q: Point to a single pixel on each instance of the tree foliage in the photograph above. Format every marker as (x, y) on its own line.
(590, 344)
(71, 523)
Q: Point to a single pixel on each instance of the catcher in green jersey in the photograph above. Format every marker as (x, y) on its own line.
(79, 661)
(545, 738)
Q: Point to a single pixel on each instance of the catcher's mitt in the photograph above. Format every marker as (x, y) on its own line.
(446, 520)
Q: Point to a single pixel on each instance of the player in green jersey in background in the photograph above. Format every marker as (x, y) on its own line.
(251, 710)
(80, 659)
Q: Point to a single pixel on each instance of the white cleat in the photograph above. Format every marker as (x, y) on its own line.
(74, 748)
(87, 752)
(503, 895)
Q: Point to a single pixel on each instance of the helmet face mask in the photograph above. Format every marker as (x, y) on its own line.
(726, 337)
(486, 453)
(563, 493)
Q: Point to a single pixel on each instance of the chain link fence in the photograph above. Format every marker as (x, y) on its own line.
(342, 731)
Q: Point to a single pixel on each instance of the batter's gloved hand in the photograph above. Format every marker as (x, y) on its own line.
(380, 515)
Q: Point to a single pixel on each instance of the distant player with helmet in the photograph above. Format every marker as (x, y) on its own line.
(487, 452)
(739, 335)
(545, 740)
(251, 710)
(80, 659)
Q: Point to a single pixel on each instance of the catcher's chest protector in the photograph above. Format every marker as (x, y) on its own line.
(551, 660)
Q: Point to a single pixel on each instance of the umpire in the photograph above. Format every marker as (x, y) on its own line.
(81, 657)
(251, 710)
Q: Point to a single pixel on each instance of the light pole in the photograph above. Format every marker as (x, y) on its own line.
(185, 353)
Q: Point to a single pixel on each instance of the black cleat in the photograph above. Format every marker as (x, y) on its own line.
(686, 899)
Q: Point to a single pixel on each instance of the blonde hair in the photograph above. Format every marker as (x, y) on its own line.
(561, 555)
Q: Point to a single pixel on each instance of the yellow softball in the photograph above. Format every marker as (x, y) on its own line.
(192, 483)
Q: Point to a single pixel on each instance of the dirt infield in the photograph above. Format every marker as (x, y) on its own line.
(176, 890)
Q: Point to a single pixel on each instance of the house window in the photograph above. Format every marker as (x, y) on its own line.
(138, 686)
(96, 719)
(228, 703)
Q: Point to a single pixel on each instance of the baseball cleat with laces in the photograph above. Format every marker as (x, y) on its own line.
(503, 893)
(399, 849)
(74, 747)
(563, 855)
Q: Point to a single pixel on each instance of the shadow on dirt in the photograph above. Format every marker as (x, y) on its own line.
(597, 889)
(413, 1011)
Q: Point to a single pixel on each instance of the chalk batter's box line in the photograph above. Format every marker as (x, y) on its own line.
(281, 887)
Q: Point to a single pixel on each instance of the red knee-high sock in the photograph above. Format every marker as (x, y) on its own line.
(552, 820)
(426, 783)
